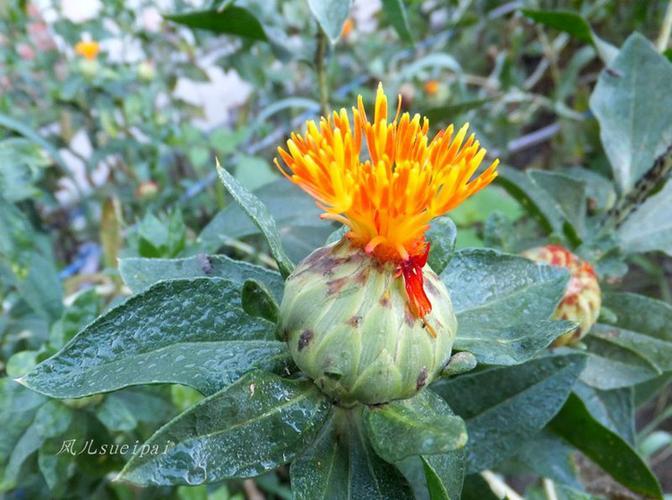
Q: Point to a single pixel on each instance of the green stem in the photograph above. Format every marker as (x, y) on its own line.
(320, 55)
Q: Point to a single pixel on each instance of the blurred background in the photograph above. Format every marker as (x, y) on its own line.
(111, 116)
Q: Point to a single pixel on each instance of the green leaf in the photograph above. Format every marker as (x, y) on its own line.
(615, 409)
(422, 425)
(331, 14)
(649, 228)
(296, 215)
(606, 448)
(139, 273)
(533, 198)
(257, 301)
(21, 165)
(255, 209)
(610, 366)
(444, 474)
(21, 128)
(441, 236)
(566, 21)
(503, 303)
(568, 193)
(253, 426)
(477, 488)
(576, 26)
(549, 456)
(340, 464)
(395, 12)
(503, 407)
(635, 348)
(230, 21)
(435, 477)
(630, 102)
(51, 419)
(191, 332)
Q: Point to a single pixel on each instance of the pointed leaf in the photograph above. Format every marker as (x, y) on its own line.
(139, 273)
(191, 332)
(441, 236)
(396, 14)
(422, 425)
(503, 303)
(253, 426)
(331, 14)
(631, 102)
(606, 448)
(232, 20)
(340, 464)
(261, 217)
(505, 406)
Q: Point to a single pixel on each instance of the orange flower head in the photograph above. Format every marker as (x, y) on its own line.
(88, 50)
(388, 196)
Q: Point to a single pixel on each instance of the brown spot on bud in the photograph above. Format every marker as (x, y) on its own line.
(385, 299)
(422, 379)
(362, 276)
(335, 286)
(355, 321)
(305, 339)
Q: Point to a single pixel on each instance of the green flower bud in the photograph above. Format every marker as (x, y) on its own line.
(347, 320)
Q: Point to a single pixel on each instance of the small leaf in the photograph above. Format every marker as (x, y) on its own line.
(444, 474)
(261, 217)
(630, 102)
(549, 456)
(568, 193)
(606, 448)
(503, 303)
(331, 14)
(576, 26)
(191, 332)
(251, 427)
(229, 21)
(140, 273)
(635, 348)
(296, 215)
(422, 425)
(257, 301)
(441, 236)
(395, 11)
(503, 407)
(340, 464)
(615, 409)
(533, 197)
(610, 366)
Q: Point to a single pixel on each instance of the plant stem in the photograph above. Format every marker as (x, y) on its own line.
(320, 54)
(499, 487)
(629, 202)
(665, 29)
(549, 489)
